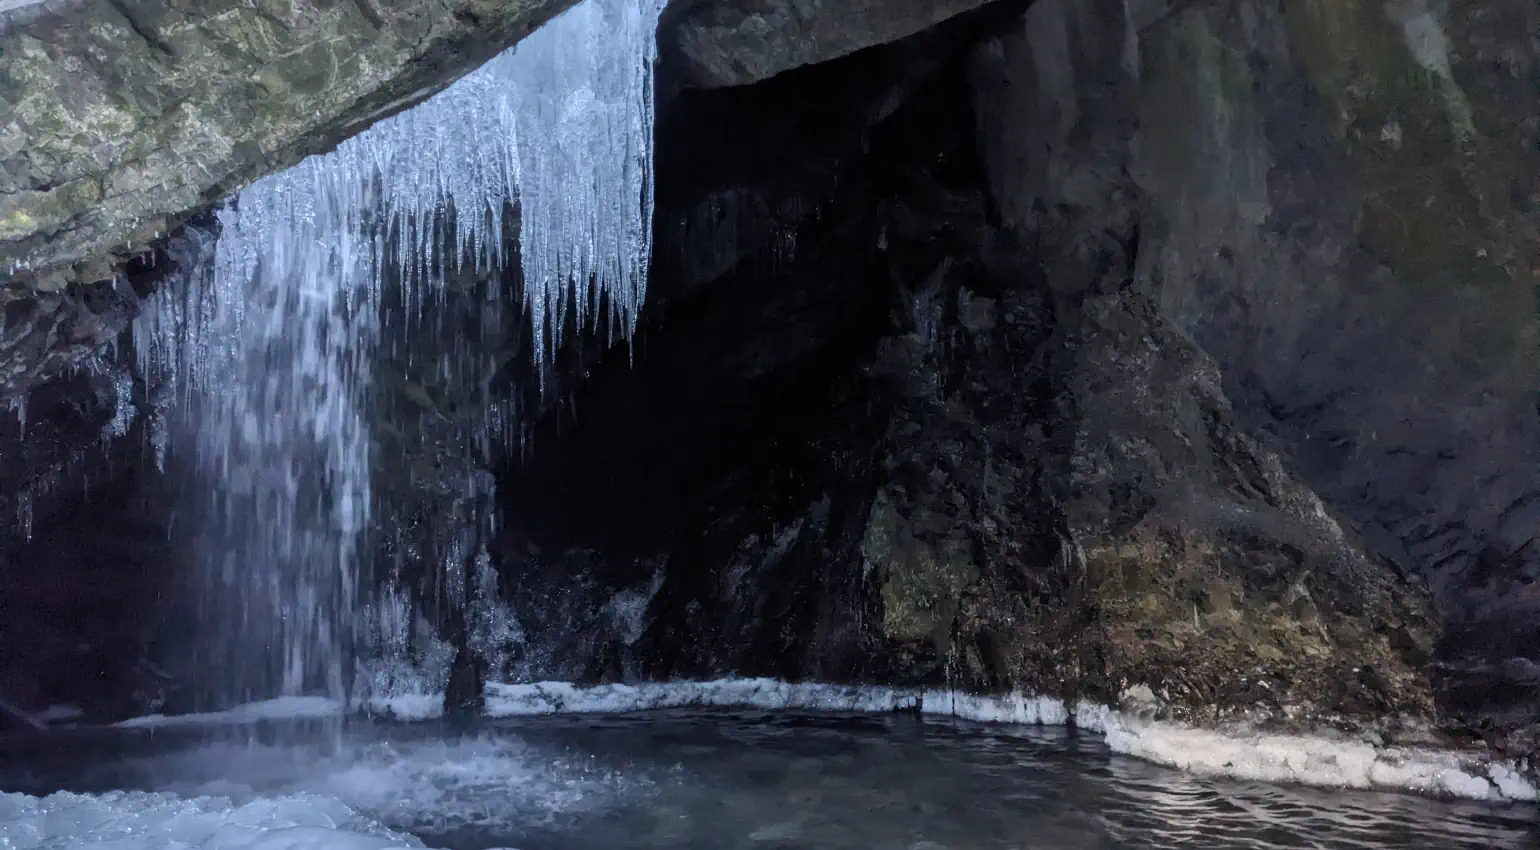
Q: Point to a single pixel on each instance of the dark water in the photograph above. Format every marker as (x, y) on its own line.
(731, 780)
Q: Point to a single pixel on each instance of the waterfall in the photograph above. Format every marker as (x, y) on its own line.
(264, 354)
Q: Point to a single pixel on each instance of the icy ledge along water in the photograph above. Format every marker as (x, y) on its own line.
(1307, 760)
(691, 779)
(140, 821)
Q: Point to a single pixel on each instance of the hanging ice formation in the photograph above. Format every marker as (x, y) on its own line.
(267, 353)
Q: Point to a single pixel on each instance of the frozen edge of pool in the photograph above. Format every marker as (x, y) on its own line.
(1315, 760)
(126, 820)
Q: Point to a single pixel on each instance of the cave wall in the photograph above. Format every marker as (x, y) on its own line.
(104, 150)
(83, 553)
(123, 118)
(1015, 472)
(1363, 260)
(1195, 395)
(1335, 204)
(120, 120)
(697, 507)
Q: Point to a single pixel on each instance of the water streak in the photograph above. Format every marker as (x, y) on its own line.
(267, 353)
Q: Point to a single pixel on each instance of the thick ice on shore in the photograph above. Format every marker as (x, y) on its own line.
(1303, 759)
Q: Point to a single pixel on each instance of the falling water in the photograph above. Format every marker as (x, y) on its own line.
(265, 352)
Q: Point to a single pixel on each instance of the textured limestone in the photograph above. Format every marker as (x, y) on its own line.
(737, 42)
(922, 583)
(120, 116)
(1058, 496)
(1336, 201)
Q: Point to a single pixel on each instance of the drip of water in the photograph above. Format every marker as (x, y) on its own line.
(494, 628)
(266, 353)
(123, 411)
(17, 405)
(24, 514)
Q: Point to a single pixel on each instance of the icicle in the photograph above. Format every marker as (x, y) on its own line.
(123, 412)
(24, 514)
(494, 627)
(269, 356)
(160, 440)
(17, 404)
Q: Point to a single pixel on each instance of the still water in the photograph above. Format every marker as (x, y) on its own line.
(692, 780)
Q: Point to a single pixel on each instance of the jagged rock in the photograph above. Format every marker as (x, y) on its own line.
(1351, 240)
(1063, 501)
(84, 598)
(1328, 207)
(737, 42)
(717, 487)
(44, 334)
(1203, 569)
(122, 117)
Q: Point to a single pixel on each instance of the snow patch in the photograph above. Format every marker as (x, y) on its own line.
(1511, 784)
(141, 821)
(13, 5)
(282, 708)
(566, 698)
(1303, 759)
(60, 714)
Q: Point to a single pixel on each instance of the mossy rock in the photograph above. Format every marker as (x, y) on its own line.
(922, 582)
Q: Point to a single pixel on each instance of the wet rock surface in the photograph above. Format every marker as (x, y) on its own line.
(923, 447)
(83, 553)
(124, 117)
(738, 42)
(1346, 238)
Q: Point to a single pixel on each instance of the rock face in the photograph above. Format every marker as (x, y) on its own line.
(83, 554)
(900, 451)
(1183, 556)
(121, 117)
(1329, 201)
(737, 42)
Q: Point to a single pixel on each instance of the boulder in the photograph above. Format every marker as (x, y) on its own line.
(122, 116)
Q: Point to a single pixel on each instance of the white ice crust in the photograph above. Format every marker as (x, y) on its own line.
(1305, 759)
